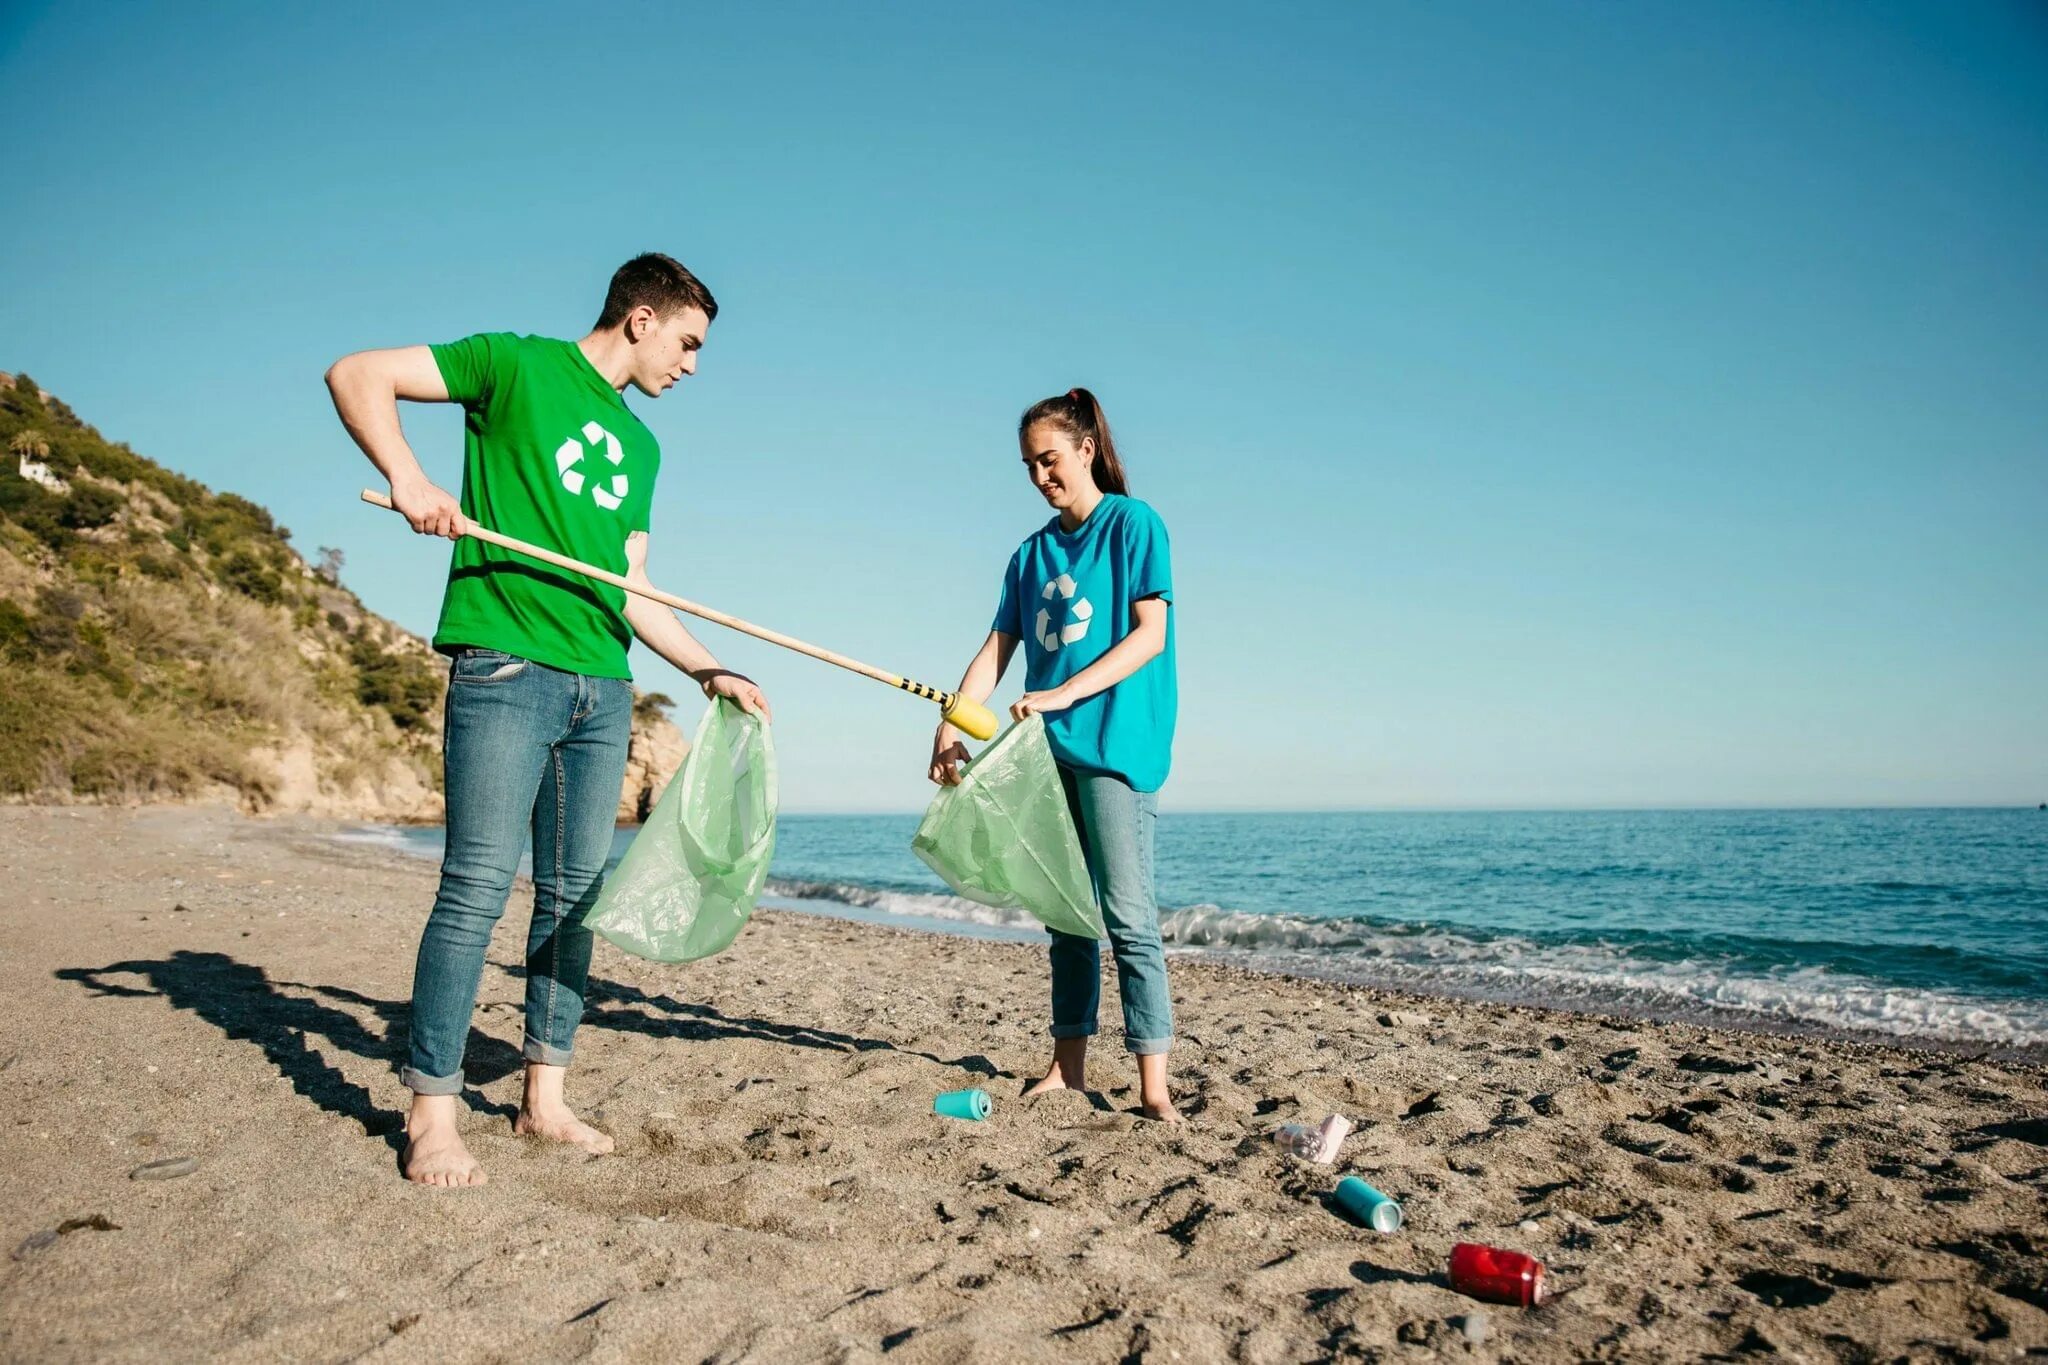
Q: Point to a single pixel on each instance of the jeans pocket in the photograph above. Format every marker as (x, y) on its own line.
(477, 667)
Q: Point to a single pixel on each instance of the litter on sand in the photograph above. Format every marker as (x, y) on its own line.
(963, 1104)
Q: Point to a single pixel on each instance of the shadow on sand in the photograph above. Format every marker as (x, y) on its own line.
(282, 1017)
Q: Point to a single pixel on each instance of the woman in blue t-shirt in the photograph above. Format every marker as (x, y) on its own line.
(1089, 596)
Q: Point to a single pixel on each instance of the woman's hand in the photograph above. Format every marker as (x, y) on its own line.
(1042, 703)
(948, 753)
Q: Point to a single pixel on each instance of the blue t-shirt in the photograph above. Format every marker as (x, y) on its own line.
(1069, 598)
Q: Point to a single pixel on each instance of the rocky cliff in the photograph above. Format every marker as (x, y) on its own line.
(160, 641)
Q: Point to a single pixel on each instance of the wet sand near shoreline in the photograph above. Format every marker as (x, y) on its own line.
(189, 983)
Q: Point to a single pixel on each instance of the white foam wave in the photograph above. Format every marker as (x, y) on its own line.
(911, 904)
(1605, 979)
(394, 837)
(1586, 976)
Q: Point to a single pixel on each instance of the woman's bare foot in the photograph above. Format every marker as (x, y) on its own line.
(434, 1154)
(1161, 1110)
(543, 1113)
(1069, 1067)
(1153, 1100)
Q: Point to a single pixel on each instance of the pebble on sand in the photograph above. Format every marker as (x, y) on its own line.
(1473, 1325)
(170, 1168)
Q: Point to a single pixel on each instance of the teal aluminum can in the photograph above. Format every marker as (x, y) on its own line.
(963, 1104)
(1368, 1205)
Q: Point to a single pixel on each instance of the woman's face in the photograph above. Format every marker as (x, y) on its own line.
(1061, 471)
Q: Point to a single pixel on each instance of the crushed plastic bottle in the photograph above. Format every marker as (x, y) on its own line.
(1298, 1140)
(1318, 1144)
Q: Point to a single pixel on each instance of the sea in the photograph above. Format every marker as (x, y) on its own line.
(1924, 925)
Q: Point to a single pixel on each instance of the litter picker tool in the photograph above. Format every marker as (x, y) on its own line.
(964, 712)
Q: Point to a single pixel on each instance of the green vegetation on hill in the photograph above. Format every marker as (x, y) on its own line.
(156, 637)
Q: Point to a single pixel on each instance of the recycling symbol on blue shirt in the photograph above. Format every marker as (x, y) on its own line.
(1078, 615)
(606, 493)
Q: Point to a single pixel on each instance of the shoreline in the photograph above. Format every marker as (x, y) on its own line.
(234, 991)
(1301, 965)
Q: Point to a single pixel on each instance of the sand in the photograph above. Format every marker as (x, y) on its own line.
(195, 984)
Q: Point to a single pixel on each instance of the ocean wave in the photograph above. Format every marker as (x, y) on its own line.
(395, 837)
(1594, 976)
(910, 904)
(1600, 979)
(1707, 977)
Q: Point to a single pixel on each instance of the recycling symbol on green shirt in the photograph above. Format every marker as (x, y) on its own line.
(607, 493)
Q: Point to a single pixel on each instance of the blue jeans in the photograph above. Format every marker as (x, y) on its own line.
(527, 748)
(1116, 824)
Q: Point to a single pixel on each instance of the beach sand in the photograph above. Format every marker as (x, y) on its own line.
(191, 983)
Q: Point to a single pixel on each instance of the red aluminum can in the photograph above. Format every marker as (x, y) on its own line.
(1495, 1275)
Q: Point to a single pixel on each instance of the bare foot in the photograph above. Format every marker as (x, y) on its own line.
(434, 1154)
(1163, 1111)
(544, 1114)
(559, 1125)
(1069, 1067)
(1154, 1101)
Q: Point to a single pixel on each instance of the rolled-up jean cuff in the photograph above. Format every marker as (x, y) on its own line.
(420, 1083)
(1072, 1030)
(537, 1051)
(1148, 1047)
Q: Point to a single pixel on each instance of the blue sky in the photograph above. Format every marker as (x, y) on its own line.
(1552, 404)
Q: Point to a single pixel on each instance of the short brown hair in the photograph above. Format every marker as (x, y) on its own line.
(661, 282)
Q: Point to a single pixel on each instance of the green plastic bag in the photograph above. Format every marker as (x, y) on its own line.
(1005, 837)
(687, 884)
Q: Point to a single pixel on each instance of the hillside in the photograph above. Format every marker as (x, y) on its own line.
(160, 641)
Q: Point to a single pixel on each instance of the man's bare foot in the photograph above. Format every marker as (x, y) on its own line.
(545, 1114)
(434, 1154)
(1069, 1068)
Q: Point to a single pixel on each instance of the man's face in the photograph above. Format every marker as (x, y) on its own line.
(664, 348)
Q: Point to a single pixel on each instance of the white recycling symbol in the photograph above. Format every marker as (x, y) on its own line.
(606, 493)
(1078, 616)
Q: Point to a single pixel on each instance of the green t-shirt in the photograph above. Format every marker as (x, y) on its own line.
(553, 456)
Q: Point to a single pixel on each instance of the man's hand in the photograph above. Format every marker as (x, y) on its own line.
(432, 510)
(739, 690)
(948, 753)
(1041, 703)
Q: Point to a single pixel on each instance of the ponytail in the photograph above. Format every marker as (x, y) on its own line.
(1077, 413)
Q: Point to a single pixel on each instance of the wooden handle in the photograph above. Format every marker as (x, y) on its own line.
(947, 701)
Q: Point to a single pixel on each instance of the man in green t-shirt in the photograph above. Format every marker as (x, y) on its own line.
(540, 701)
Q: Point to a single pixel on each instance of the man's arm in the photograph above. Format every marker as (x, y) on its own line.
(662, 631)
(366, 388)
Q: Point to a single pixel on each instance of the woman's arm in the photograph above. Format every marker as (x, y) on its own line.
(1146, 642)
(991, 661)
